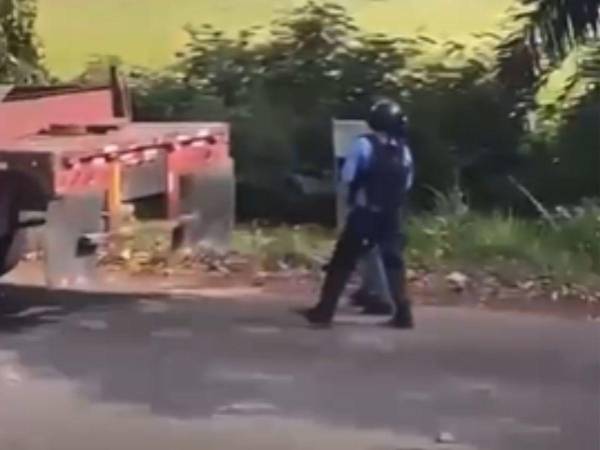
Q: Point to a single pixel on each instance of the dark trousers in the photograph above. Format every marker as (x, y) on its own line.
(365, 229)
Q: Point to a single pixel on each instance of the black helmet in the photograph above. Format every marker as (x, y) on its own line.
(387, 116)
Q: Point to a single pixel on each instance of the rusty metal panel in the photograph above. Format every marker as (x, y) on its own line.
(23, 117)
(83, 178)
(118, 137)
(145, 180)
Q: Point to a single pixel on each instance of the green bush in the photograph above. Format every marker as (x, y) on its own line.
(280, 92)
(511, 247)
(568, 252)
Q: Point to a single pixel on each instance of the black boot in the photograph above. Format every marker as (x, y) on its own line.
(322, 313)
(377, 307)
(402, 317)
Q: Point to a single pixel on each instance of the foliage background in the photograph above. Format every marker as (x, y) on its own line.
(482, 125)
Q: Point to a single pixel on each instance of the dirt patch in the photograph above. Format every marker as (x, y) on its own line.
(485, 292)
(244, 282)
(426, 288)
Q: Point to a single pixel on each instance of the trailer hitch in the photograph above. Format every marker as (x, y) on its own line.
(30, 220)
(31, 223)
(86, 246)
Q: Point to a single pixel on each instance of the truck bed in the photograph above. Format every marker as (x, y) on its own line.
(60, 164)
(74, 156)
(119, 139)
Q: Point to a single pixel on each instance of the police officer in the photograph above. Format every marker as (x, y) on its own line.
(379, 174)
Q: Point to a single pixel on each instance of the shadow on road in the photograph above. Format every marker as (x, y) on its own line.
(26, 307)
(190, 359)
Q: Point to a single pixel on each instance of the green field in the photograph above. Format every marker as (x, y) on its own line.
(147, 32)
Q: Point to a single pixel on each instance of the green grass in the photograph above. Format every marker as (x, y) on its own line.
(513, 248)
(276, 248)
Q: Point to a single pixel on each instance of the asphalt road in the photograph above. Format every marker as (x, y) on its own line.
(82, 372)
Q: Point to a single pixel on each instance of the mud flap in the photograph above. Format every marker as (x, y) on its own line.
(208, 207)
(12, 240)
(9, 211)
(12, 248)
(70, 256)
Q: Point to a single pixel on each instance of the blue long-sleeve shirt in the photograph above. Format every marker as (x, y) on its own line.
(358, 159)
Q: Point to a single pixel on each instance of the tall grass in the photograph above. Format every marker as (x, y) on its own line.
(507, 245)
(502, 242)
(283, 246)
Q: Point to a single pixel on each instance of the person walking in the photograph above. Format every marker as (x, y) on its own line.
(379, 172)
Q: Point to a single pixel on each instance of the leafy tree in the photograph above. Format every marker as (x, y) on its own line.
(552, 28)
(541, 34)
(281, 89)
(218, 65)
(20, 54)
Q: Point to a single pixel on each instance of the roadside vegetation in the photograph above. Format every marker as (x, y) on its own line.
(508, 178)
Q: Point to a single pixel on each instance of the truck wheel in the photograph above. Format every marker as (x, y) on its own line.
(12, 247)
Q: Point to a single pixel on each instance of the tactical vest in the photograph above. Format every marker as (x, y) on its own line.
(385, 178)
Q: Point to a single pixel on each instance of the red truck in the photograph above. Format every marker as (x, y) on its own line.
(71, 156)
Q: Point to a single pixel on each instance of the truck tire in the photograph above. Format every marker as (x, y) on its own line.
(12, 247)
